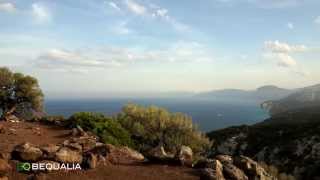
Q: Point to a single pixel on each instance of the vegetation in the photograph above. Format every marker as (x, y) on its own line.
(287, 140)
(19, 95)
(108, 129)
(272, 170)
(153, 126)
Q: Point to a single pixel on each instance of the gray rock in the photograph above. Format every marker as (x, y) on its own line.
(27, 152)
(185, 156)
(66, 155)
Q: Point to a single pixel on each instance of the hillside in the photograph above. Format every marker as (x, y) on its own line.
(302, 98)
(260, 94)
(290, 141)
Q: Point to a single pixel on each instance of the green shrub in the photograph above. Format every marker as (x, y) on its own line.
(153, 126)
(108, 129)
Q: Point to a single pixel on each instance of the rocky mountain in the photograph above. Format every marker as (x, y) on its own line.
(290, 141)
(261, 94)
(302, 98)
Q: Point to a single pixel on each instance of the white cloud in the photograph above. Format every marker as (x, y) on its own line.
(135, 7)
(115, 57)
(114, 6)
(63, 60)
(317, 20)
(7, 7)
(163, 13)
(285, 60)
(41, 13)
(281, 52)
(155, 12)
(280, 47)
(290, 25)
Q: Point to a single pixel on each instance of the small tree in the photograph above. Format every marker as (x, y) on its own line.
(19, 94)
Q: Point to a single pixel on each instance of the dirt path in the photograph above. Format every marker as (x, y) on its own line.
(39, 134)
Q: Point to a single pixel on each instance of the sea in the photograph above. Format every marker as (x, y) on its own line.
(207, 114)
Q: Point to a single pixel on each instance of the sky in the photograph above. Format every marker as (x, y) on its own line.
(121, 47)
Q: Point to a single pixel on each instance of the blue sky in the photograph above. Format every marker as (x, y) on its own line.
(121, 47)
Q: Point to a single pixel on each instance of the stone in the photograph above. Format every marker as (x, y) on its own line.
(231, 172)
(214, 172)
(74, 132)
(185, 156)
(224, 159)
(252, 168)
(101, 149)
(91, 161)
(209, 174)
(85, 142)
(49, 150)
(4, 167)
(66, 155)
(205, 163)
(123, 155)
(159, 154)
(12, 118)
(27, 152)
(75, 146)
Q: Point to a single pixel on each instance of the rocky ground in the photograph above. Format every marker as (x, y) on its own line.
(36, 142)
(13, 134)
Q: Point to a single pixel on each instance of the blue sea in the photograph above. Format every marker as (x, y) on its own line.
(208, 114)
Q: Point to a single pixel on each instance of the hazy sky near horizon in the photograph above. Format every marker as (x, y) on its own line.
(115, 47)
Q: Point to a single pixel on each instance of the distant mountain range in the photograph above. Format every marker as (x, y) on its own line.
(260, 95)
(301, 98)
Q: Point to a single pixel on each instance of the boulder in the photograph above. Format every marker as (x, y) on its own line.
(231, 172)
(123, 155)
(73, 145)
(252, 168)
(27, 152)
(4, 167)
(85, 142)
(214, 173)
(185, 156)
(78, 131)
(205, 163)
(225, 159)
(49, 150)
(91, 161)
(12, 118)
(100, 149)
(160, 155)
(66, 155)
